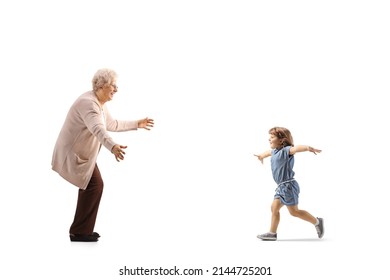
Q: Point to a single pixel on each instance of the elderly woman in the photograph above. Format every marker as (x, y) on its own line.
(78, 144)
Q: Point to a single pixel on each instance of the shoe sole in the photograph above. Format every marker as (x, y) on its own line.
(267, 238)
(83, 239)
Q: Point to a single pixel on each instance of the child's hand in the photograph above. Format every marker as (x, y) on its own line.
(313, 150)
(259, 158)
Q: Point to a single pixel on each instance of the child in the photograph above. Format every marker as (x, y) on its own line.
(287, 191)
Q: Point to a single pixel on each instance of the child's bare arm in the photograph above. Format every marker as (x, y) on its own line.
(303, 148)
(263, 155)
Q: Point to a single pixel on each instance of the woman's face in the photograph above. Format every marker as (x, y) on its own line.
(109, 90)
(275, 142)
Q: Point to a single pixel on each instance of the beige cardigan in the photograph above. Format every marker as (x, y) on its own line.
(81, 137)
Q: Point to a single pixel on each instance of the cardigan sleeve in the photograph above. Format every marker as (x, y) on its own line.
(118, 125)
(90, 113)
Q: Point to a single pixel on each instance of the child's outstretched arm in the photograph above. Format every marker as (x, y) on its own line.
(263, 155)
(303, 148)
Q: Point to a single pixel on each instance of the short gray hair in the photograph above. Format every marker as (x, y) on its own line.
(102, 77)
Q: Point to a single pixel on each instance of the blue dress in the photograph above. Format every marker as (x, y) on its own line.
(282, 164)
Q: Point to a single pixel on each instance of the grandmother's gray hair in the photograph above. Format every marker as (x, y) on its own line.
(102, 77)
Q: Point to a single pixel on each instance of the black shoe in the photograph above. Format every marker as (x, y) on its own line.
(83, 237)
(96, 234)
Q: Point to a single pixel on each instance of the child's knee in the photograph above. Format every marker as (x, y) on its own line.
(294, 212)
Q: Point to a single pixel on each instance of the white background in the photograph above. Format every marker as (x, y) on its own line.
(215, 76)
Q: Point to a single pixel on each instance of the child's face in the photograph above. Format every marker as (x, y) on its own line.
(275, 142)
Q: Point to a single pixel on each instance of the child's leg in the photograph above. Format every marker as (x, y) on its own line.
(304, 215)
(275, 208)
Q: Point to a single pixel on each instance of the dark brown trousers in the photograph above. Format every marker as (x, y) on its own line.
(88, 205)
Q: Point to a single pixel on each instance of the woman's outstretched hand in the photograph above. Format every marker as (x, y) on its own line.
(146, 123)
(118, 152)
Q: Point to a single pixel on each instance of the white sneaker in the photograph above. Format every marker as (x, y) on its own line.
(320, 227)
(268, 236)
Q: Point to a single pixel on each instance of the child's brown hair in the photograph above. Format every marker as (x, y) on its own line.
(283, 134)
